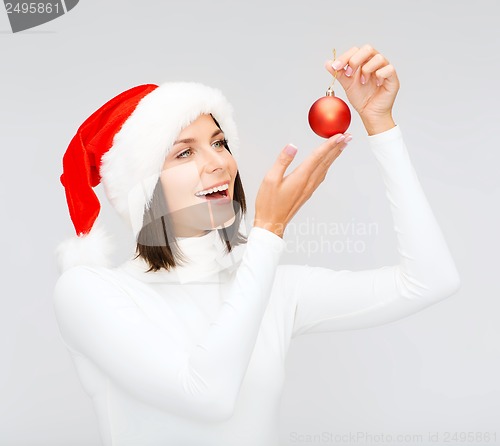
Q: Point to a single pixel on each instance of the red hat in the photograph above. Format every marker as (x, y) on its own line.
(123, 145)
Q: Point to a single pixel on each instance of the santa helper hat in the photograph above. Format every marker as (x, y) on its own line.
(123, 145)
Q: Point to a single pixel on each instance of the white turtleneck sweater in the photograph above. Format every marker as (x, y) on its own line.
(196, 356)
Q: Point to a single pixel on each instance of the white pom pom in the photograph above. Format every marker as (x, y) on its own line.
(93, 249)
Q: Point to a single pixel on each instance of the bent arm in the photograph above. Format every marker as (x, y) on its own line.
(327, 300)
(99, 320)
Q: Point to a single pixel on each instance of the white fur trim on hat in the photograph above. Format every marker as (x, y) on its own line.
(92, 249)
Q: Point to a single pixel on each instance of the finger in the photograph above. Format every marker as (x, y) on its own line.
(340, 65)
(359, 58)
(322, 157)
(341, 62)
(323, 164)
(285, 158)
(326, 161)
(354, 70)
(341, 68)
(375, 63)
(387, 75)
(321, 153)
(340, 76)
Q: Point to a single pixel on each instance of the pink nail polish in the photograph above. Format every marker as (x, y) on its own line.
(337, 65)
(291, 150)
(348, 71)
(363, 80)
(348, 138)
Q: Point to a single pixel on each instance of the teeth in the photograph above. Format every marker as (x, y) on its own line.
(209, 191)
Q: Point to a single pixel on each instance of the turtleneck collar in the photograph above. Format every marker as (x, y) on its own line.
(206, 260)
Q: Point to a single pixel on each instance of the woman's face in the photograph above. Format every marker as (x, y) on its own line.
(196, 163)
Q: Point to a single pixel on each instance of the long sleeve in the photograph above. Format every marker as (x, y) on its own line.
(99, 320)
(327, 300)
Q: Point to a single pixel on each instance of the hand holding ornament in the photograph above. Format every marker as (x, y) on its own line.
(370, 83)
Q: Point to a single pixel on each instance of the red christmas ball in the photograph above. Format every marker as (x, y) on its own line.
(328, 116)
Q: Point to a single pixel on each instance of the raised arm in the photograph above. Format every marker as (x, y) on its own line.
(327, 300)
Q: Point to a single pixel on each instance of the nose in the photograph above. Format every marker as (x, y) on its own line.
(212, 161)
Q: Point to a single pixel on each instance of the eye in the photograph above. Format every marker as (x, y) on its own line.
(220, 143)
(181, 155)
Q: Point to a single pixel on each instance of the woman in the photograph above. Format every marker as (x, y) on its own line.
(186, 343)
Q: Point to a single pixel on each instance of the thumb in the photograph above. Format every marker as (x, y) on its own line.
(285, 158)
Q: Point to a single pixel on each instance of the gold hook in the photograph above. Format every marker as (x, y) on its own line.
(329, 92)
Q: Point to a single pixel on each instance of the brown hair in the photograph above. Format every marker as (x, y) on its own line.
(161, 251)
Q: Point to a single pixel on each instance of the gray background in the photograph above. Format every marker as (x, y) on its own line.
(435, 371)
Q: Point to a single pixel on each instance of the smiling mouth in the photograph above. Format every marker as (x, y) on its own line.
(214, 193)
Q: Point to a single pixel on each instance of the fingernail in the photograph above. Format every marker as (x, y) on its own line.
(290, 150)
(337, 65)
(340, 138)
(348, 138)
(348, 71)
(363, 80)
